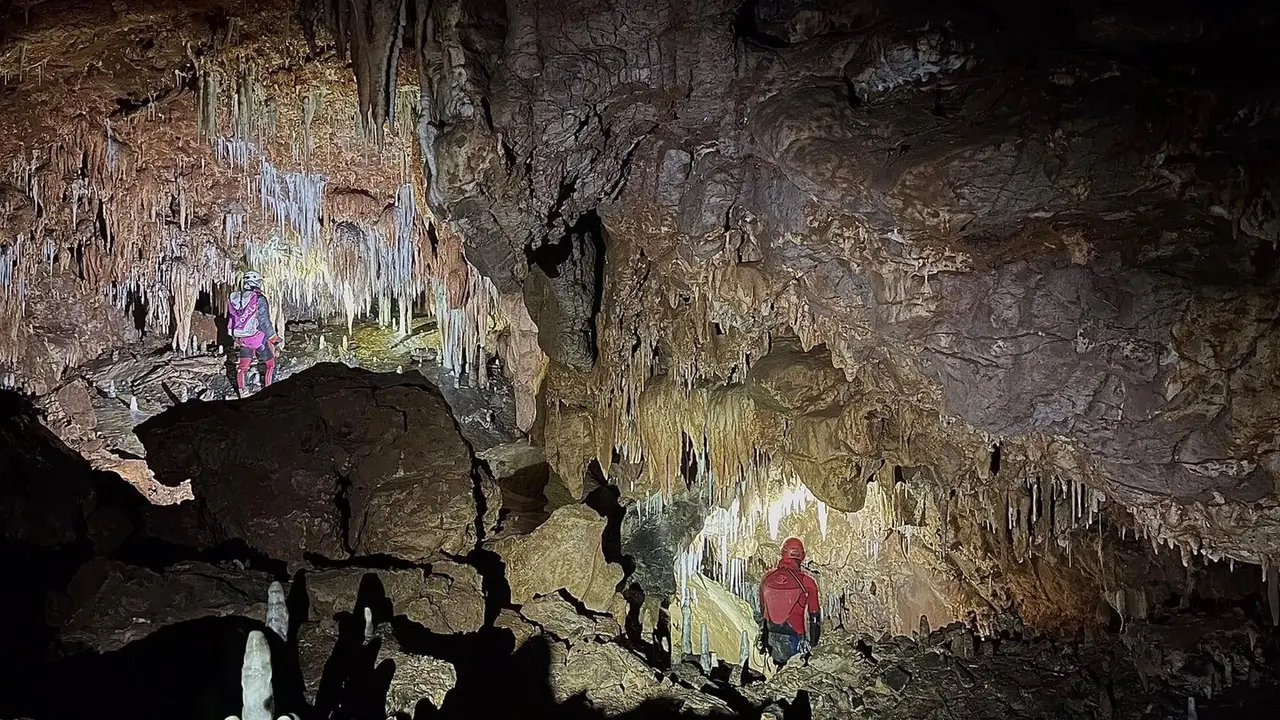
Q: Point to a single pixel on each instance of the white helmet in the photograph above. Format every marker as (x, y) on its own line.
(251, 281)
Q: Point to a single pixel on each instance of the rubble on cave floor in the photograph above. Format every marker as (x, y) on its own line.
(1149, 672)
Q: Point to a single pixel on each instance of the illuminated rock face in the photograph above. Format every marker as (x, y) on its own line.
(563, 553)
(730, 625)
(111, 604)
(448, 599)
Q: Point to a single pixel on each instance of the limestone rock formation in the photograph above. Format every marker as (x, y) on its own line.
(564, 553)
(448, 599)
(452, 601)
(416, 678)
(728, 620)
(1031, 677)
(272, 469)
(109, 604)
(520, 469)
(520, 628)
(614, 681)
(316, 642)
(977, 298)
(555, 616)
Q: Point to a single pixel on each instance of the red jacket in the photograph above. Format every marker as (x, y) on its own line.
(786, 592)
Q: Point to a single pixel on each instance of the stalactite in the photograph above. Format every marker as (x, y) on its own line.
(208, 94)
(183, 291)
(373, 31)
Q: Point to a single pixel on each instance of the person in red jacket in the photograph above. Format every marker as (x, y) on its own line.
(787, 595)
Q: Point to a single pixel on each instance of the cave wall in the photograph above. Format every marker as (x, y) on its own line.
(770, 237)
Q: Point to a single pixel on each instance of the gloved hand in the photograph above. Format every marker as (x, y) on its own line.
(277, 343)
(804, 648)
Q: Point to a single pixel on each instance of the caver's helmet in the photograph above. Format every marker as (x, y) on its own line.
(251, 281)
(793, 548)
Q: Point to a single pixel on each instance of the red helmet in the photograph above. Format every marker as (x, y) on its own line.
(793, 548)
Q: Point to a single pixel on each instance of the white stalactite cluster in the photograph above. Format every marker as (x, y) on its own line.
(133, 232)
(124, 230)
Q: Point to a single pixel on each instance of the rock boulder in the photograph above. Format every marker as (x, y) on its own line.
(276, 468)
(566, 553)
(448, 599)
(109, 604)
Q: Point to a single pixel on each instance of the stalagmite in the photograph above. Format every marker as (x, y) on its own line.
(257, 698)
(706, 649)
(1273, 594)
(277, 610)
(686, 616)
(368, 625)
(133, 404)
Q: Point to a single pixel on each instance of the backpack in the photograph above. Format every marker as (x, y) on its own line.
(242, 312)
(780, 597)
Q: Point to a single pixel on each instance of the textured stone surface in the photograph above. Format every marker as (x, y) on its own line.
(268, 469)
(316, 641)
(564, 553)
(416, 678)
(520, 469)
(615, 681)
(330, 592)
(726, 616)
(448, 599)
(110, 604)
(558, 618)
(1021, 676)
(1024, 270)
(521, 629)
(451, 601)
(997, 248)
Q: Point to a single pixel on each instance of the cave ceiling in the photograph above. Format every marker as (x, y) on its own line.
(985, 247)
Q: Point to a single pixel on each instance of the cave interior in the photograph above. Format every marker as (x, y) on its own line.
(585, 307)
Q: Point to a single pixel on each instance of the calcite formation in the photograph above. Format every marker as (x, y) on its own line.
(839, 263)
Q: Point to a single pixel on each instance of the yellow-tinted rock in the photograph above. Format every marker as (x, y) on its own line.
(564, 553)
(726, 616)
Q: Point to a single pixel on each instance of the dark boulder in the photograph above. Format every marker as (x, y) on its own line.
(333, 462)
